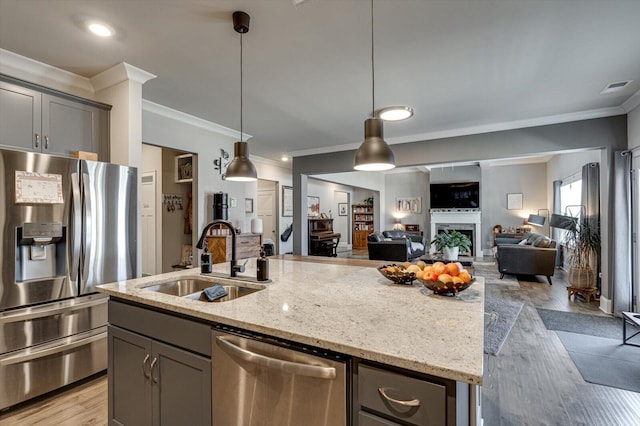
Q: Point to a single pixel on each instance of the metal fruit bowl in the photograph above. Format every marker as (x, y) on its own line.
(397, 273)
(449, 289)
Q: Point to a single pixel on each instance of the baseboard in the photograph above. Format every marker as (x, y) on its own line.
(606, 305)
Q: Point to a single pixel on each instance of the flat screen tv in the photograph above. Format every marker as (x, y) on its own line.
(458, 195)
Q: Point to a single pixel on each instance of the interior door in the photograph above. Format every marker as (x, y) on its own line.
(268, 213)
(148, 222)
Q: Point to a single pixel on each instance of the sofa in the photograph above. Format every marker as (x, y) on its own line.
(398, 246)
(534, 254)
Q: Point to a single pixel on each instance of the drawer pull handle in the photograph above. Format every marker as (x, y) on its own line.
(146, 375)
(411, 403)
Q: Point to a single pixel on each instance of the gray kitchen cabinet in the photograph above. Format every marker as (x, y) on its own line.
(38, 119)
(154, 382)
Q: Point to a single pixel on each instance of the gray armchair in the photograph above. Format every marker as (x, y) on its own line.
(536, 255)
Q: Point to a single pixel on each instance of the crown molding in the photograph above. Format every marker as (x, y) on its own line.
(119, 73)
(485, 128)
(191, 120)
(632, 103)
(28, 69)
(263, 160)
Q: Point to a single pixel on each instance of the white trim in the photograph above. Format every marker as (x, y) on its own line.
(190, 119)
(631, 103)
(484, 128)
(38, 72)
(119, 73)
(606, 305)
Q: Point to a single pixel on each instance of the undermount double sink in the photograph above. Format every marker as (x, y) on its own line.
(192, 288)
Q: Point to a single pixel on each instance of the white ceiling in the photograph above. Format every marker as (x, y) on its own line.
(307, 74)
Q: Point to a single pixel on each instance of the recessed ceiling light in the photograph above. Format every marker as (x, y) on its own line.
(284, 158)
(395, 113)
(100, 29)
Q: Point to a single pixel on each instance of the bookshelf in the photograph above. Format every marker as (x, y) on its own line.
(362, 224)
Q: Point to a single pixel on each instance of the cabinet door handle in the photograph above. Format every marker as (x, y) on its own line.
(146, 375)
(154, 379)
(410, 403)
(37, 140)
(46, 142)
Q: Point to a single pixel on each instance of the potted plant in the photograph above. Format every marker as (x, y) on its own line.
(451, 243)
(582, 243)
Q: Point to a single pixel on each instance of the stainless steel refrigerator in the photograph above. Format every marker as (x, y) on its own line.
(66, 225)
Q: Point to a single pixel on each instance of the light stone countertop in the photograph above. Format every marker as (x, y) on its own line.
(349, 309)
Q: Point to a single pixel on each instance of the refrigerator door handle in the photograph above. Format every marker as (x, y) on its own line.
(87, 236)
(76, 232)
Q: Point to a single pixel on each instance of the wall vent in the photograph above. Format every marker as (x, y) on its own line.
(615, 87)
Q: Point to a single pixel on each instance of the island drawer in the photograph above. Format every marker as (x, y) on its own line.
(191, 335)
(409, 399)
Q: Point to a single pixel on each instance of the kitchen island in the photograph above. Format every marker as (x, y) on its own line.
(350, 310)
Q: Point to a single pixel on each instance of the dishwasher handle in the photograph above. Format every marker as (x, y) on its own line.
(274, 363)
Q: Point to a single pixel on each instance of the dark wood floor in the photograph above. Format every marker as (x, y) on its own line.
(531, 382)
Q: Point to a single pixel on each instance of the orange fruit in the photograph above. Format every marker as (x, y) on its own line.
(428, 268)
(439, 268)
(452, 269)
(457, 280)
(429, 275)
(464, 276)
(445, 278)
(421, 264)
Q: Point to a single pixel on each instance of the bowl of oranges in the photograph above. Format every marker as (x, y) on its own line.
(403, 273)
(449, 279)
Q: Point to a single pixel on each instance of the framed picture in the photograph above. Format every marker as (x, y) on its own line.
(514, 201)
(287, 201)
(409, 205)
(342, 209)
(248, 205)
(313, 206)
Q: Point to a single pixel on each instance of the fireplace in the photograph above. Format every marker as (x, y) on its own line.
(464, 228)
(465, 221)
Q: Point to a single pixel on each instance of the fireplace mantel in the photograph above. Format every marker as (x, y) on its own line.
(463, 216)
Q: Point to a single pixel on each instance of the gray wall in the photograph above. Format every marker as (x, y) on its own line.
(526, 179)
(413, 184)
(634, 128)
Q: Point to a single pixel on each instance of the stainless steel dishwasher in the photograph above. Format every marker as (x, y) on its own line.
(261, 381)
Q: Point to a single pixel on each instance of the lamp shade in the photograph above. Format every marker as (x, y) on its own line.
(256, 226)
(563, 222)
(374, 153)
(536, 220)
(241, 169)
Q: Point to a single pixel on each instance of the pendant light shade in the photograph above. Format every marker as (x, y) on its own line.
(241, 169)
(374, 153)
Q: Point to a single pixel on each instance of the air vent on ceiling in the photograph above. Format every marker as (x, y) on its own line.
(615, 87)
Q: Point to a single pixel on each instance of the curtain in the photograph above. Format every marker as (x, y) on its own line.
(556, 234)
(591, 201)
(621, 250)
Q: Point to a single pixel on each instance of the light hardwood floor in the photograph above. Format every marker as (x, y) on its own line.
(531, 382)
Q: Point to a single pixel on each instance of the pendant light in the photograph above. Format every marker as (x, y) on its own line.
(374, 153)
(241, 169)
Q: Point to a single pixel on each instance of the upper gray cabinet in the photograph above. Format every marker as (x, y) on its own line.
(50, 122)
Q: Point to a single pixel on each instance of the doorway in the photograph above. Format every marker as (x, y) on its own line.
(341, 220)
(268, 211)
(148, 222)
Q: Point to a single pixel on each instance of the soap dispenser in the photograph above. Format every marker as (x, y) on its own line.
(262, 270)
(205, 261)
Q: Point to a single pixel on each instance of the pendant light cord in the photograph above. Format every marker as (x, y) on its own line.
(241, 136)
(373, 72)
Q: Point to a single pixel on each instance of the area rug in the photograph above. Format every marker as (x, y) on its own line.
(489, 271)
(604, 361)
(594, 325)
(499, 317)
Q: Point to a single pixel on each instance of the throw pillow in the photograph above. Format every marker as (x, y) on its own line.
(543, 242)
(522, 243)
